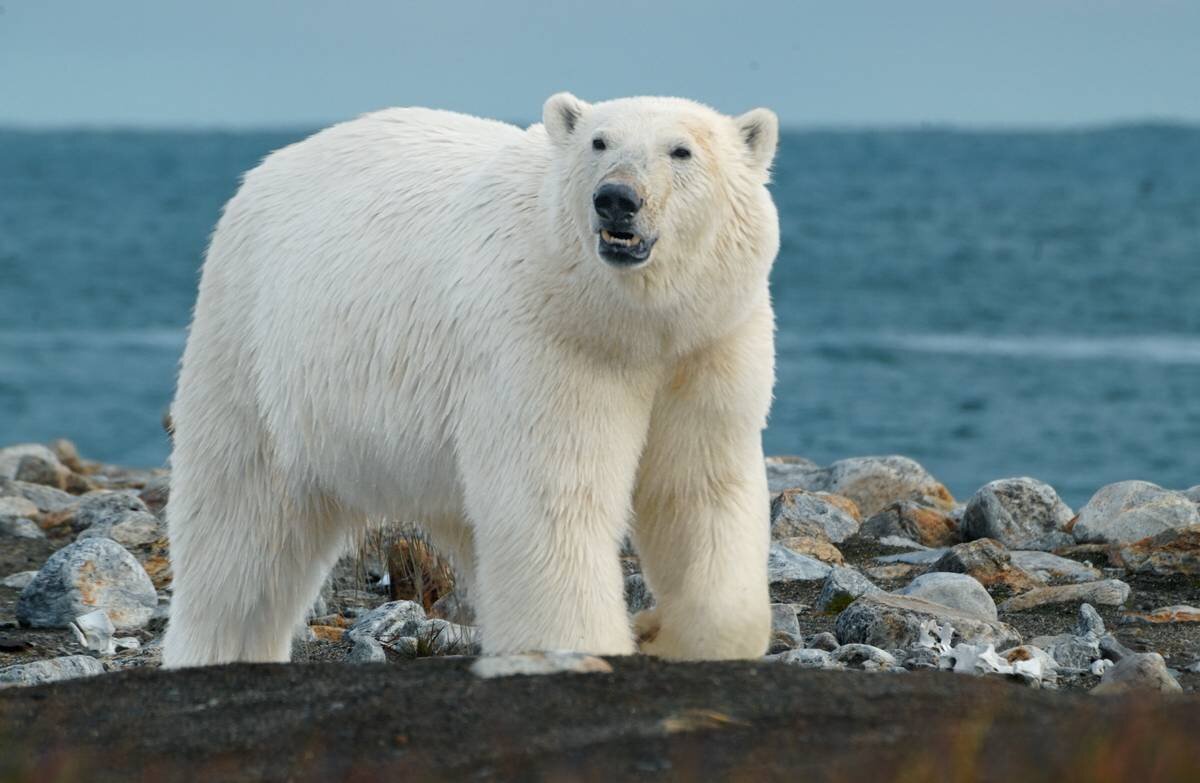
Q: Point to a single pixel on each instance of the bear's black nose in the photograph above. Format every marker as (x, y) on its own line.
(616, 203)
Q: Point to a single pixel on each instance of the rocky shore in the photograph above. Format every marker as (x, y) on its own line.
(874, 568)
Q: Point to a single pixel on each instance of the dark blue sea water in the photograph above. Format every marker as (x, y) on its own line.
(989, 303)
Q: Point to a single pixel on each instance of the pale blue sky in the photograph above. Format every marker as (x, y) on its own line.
(833, 62)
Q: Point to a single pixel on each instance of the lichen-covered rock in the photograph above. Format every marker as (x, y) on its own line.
(841, 587)
(97, 573)
(1021, 513)
(11, 458)
(799, 513)
(926, 526)
(1129, 511)
(131, 529)
(784, 565)
(987, 561)
(16, 508)
(51, 670)
(1051, 568)
(815, 546)
(1179, 613)
(894, 622)
(47, 500)
(959, 591)
(19, 527)
(1138, 672)
(1175, 551)
(1106, 592)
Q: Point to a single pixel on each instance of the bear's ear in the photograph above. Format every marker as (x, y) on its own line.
(561, 115)
(759, 129)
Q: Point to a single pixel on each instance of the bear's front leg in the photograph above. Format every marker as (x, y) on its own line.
(702, 504)
(548, 470)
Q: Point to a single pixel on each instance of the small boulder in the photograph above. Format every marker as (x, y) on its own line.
(871, 482)
(823, 641)
(799, 513)
(17, 508)
(894, 622)
(388, 622)
(864, 656)
(47, 500)
(841, 587)
(32, 454)
(105, 507)
(924, 525)
(1106, 592)
(52, 670)
(987, 561)
(93, 574)
(784, 565)
(815, 546)
(1021, 513)
(131, 529)
(959, 591)
(366, 649)
(1138, 672)
(783, 620)
(1130, 511)
(1048, 567)
(19, 527)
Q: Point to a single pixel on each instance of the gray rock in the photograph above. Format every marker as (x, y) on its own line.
(19, 527)
(637, 596)
(841, 587)
(156, 493)
(1021, 513)
(919, 557)
(390, 621)
(52, 670)
(1106, 592)
(958, 591)
(130, 529)
(797, 513)
(16, 507)
(1052, 568)
(1138, 672)
(894, 622)
(1070, 651)
(366, 650)
(1193, 494)
(1132, 510)
(784, 565)
(1090, 622)
(102, 506)
(922, 658)
(48, 500)
(93, 574)
(913, 522)
(1112, 649)
(807, 659)
(784, 473)
(824, 641)
(529, 664)
(861, 654)
(12, 457)
(871, 482)
(19, 580)
(783, 619)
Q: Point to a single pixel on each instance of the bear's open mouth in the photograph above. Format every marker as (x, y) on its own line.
(623, 248)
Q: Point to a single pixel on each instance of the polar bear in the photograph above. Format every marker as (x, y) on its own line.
(529, 342)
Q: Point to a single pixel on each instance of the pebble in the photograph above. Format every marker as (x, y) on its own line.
(1129, 511)
(19, 527)
(928, 527)
(1138, 672)
(958, 591)
(841, 587)
(893, 622)
(19, 580)
(1106, 592)
(1021, 513)
(390, 621)
(799, 513)
(989, 562)
(1169, 553)
(92, 574)
(51, 670)
(1049, 567)
(539, 663)
(784, 565)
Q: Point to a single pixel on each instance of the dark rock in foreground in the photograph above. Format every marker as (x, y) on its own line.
(434, 720)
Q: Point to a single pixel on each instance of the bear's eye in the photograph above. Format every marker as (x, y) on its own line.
(681, 153)
(598, 144)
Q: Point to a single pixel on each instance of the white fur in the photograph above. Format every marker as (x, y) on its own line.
(405, 317)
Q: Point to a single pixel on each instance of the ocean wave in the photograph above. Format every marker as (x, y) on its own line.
(1154, 349)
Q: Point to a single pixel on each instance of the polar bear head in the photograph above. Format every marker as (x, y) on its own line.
(662, 182)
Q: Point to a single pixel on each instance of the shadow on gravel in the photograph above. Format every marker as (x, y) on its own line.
(431, 720)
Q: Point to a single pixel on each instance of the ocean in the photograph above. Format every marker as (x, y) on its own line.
(992, 304)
